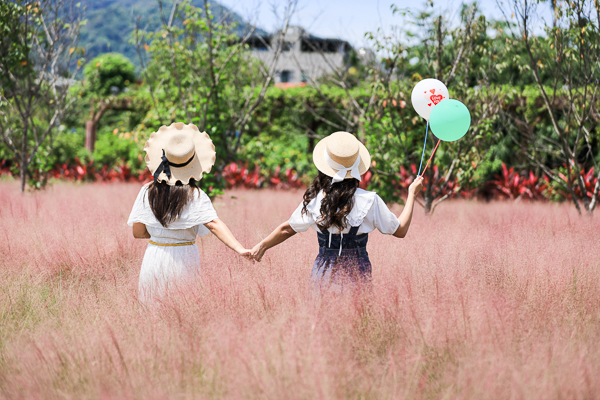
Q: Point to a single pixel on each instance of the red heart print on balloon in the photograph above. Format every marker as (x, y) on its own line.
(436, 98)
(432, 90)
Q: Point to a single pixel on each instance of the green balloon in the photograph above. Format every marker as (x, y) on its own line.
(450, 120)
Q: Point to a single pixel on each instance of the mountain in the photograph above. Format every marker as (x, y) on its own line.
(110, 23)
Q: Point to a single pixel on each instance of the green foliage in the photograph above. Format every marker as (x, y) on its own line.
(38, 47)
(287, 125)
(112, 147)
(68, 146)
(109, 74)
(197, 71)
(285, 151)
(14, 50)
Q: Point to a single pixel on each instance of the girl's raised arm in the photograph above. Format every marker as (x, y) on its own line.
(406, 215)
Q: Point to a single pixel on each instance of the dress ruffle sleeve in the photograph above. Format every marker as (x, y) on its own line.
(139, 213)
(363, 202)
(197, 212)
(382, 218)
(301, 222)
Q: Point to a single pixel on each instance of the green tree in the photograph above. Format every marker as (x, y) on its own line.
(387, 122)
(38, 63)
(565, 146)
(200, 72)
(107, 80)
(109, 74)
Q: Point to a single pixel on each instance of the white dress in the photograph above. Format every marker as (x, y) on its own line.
(165, 266)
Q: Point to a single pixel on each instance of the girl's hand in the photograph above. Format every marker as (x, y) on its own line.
(279, 235)
(246, 253)
(258, 252)
(416, 186)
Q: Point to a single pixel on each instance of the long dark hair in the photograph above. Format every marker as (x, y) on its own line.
(167, 202)
(337, 203)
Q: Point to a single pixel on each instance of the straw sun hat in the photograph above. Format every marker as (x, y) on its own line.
(342, 156)
(179, 152)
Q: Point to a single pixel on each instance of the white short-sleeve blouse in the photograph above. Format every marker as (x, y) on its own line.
(190, 223)
(369, 212)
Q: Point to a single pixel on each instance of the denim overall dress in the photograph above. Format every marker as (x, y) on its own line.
(342, 261)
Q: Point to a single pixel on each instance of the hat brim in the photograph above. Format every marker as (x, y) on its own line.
(321, 164)
(202, 162)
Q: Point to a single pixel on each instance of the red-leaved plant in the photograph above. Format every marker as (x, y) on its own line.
(79, 171)
(514, 186)
(238, 175)
(589, 182)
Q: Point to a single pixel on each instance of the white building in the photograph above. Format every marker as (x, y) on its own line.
(303, 57)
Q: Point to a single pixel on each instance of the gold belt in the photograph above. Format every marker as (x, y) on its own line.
(173, 244)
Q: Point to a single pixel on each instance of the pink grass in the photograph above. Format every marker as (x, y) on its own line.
(481, 301)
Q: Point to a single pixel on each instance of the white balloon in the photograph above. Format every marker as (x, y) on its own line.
(426, 95)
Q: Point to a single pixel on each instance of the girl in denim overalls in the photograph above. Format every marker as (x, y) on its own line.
(342, 214)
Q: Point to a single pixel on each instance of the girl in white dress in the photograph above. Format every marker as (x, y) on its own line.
(342, 214)
(171, 211)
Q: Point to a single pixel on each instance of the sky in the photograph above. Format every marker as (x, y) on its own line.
(349, 19)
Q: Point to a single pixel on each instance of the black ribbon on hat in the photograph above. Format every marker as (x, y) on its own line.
(165, 166)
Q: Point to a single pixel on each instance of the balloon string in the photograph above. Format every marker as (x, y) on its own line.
(436, 146)
(424, 145)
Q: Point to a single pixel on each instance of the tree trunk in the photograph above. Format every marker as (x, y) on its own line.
(429, 188)
(23, 174)
(428, 198)
(24, 158)
(589, 212)
(90, 135)
(91, 125)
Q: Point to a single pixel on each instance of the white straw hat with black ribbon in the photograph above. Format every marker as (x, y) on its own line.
(342, 156)
(179, 152)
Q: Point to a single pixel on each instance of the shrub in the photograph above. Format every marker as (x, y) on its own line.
(109, 74)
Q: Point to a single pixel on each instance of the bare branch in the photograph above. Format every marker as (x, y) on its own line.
(320, 118)
(289, 12)
(138, 47)
(462, 47)
(49, 42)
(173, 11)
(315, 86)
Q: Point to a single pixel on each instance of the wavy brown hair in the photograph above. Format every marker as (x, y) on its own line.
(337, 203)
(167, 202)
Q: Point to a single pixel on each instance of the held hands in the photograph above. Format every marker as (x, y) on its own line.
(416, 186)
(258, 252)
(255, 254)
(279, 235)
(246, 253)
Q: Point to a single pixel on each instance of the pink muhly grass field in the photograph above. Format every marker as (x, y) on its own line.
(480, 301)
